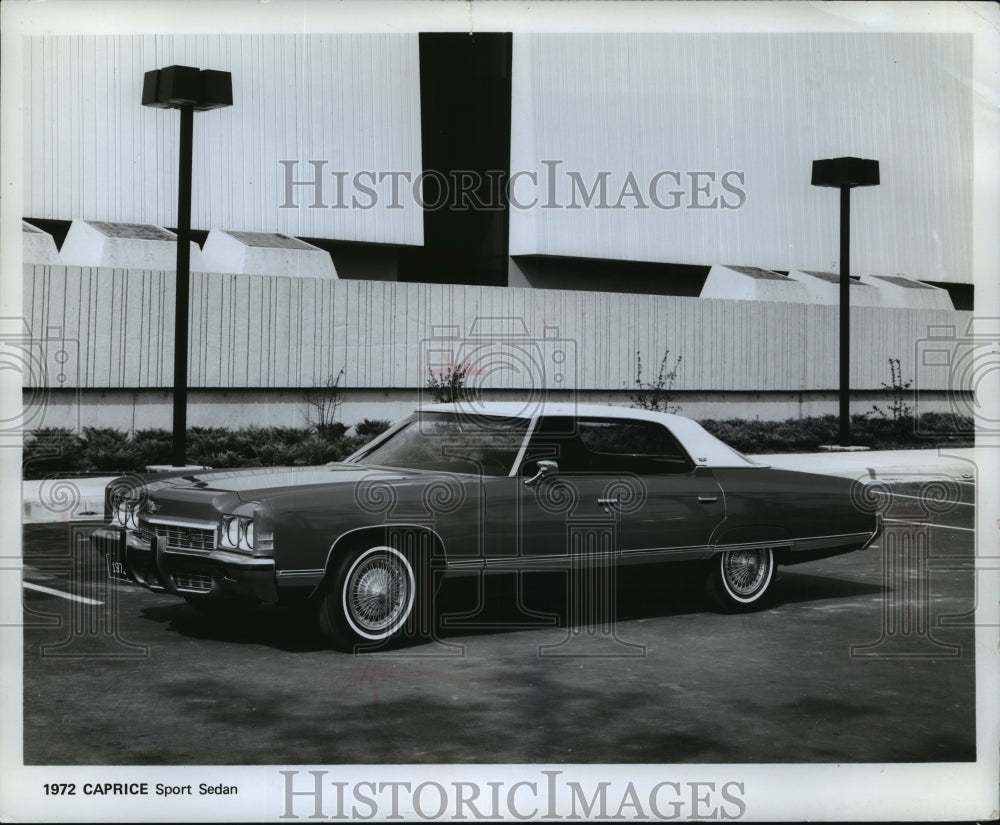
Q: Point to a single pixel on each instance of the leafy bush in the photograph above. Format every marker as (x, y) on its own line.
(371, 427)
(51, 451)
(322, 403)
(809, 434)
(448, 386)
(154, 446)
(897, 410)
(658, 394)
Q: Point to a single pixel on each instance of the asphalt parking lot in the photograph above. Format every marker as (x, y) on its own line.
(860, 658)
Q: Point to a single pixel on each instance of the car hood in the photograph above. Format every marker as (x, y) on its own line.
(251, 483)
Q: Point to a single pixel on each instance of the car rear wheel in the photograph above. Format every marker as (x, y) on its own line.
(369, 599)
(740, 579)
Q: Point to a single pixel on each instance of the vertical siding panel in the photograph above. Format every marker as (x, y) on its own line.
(132, 328)
(260, 331)
(337, 356)
(91, 152)
(196, 327)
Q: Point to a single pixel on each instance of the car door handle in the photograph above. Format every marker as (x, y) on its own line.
(707, 499)
(607, 501)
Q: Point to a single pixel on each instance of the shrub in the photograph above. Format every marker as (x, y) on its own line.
(52, 451)
(154, 446)
(809, 434)
(322, 403)
(658, 394)
(897, 411)
(448, 386)
(331, 431)
(371, 427)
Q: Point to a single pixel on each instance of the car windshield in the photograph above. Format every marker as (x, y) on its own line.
(456, 443)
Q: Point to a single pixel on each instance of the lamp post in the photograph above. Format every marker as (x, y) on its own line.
(845, 174)
(190, 90)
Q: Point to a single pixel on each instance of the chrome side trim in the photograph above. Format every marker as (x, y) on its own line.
(300, 576)
(689, 551)
(822, 542)
(879, 526)
(667, 550)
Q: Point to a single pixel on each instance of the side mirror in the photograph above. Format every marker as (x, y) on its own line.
(545, 468)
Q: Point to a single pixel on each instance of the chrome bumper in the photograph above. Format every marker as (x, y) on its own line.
(151, 564)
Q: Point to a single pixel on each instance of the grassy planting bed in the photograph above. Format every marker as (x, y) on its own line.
(105, 451)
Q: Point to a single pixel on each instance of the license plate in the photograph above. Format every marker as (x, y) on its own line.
(117, 569)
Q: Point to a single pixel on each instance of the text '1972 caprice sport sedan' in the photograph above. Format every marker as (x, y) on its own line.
(465, 489)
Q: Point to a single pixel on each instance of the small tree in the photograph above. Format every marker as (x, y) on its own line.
(898, 411)
(448, 385)
(322, 405)
(656, 395)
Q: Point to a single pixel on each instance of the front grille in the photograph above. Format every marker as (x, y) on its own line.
(145, 533)
(184, 538)
(193, 581)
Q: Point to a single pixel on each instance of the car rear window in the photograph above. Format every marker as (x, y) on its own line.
(608, 445)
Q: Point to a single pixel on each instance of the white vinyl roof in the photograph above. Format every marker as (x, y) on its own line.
(704, 448)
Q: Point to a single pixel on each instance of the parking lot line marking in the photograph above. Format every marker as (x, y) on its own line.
(926, 524)
(922, 498)
(59, 593)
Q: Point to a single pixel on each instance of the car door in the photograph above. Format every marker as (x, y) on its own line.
(534, 522)
(666, 504)
(566, 513)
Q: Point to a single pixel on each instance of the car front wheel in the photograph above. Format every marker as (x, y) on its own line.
(739, 579)
(369, 598)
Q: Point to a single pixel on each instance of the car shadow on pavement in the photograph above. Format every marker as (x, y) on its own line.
(287, 629)
(511, 603)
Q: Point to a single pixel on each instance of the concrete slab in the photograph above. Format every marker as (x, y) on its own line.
(63, 499)
(123, 246)
(885, 465)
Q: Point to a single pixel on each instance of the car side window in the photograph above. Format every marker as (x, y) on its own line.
(607, 445)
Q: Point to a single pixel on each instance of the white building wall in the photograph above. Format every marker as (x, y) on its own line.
(272, 332)
(351, 100)
(759, 107)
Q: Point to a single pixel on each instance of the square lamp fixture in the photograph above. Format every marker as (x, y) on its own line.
(845, 172)
(178, 86)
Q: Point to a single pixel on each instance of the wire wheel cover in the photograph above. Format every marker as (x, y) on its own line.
(378, 592)
(745, 571)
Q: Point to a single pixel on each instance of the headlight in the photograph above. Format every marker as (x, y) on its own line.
(123, 513)
(246, 534)
(231, 531)
(237, 533)
(131, 515)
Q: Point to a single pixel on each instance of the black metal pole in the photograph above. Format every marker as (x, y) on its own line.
(845, 315)
(183, 286)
